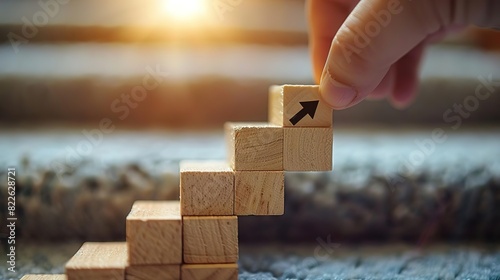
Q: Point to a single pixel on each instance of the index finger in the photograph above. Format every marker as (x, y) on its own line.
(325, 18)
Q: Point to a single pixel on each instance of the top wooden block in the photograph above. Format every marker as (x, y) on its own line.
(298, 106)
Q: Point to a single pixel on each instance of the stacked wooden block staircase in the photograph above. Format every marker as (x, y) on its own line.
(196, 238)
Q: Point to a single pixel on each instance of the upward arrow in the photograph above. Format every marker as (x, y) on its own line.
(308, 108)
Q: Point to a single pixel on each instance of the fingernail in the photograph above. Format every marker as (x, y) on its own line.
(399, 105)
(336, 94)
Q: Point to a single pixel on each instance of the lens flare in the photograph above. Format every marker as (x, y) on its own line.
(184, 10)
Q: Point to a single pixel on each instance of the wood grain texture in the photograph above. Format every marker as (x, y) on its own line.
(207, 188)
(254, 146)
(211, 239)
(308, 149)
(259, 193)
(154, 233)
(98, 261)
(153, 272)
(44, 277)
(284, 103)
(210, 271)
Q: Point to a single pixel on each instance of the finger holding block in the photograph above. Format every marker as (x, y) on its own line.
(259, 193)
(210, 239)
(254, 146)
(308, 149)
(98, 261)
(298, 106)
(207, 188)
(154, 233)
(210, 271)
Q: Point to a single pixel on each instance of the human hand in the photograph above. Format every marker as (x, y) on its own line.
(373, 48)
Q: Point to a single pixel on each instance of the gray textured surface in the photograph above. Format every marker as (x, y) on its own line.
(453, 194)
(316, 261)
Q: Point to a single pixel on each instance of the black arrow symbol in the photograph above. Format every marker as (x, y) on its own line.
(308, 108)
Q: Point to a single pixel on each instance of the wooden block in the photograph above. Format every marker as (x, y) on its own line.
(259, 193)
(210, 271)
(98, 261)
(254, 146)
(211, 239)
(154, 233)
(153, 272)
(44, 277)
(207, 188)
(308, 149)
(298, 106)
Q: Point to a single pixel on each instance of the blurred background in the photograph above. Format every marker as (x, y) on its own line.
(100, 99)
(68, 61)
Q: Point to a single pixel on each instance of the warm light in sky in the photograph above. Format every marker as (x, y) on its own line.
(184, 9)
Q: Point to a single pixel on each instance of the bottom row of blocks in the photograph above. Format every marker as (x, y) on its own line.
(166, 272)
(108, 261)
(161, 244)
(185, 271)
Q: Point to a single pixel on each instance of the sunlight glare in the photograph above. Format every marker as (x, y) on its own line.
(184, 9)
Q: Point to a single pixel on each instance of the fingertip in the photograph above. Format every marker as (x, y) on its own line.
(318, 56)
(407, 80)
(324, 20)
(399, 105)
(404, 94)
(403, 98)
(336, 94)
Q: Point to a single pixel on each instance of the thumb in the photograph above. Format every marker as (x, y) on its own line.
(375, 35)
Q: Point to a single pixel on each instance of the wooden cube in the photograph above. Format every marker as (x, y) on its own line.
(259, 193)
(44, 277)
(210, 271)
(254, 146)
(210, 239)
(98, 261)
(153, 272)
(207, 188)
(308, 149)
(298, 106)
(154, 233)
